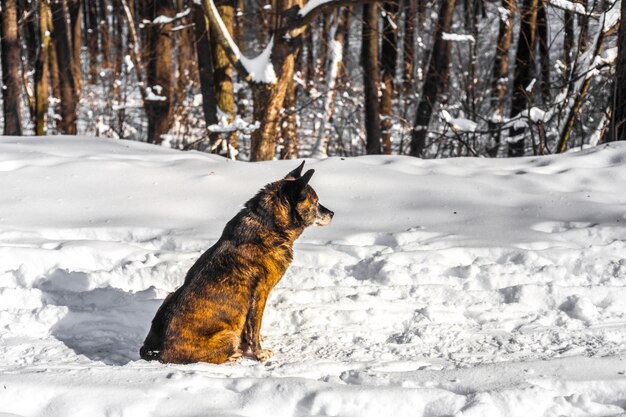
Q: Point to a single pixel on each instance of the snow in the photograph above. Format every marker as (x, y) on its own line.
(164, 20)
(569, 6)
(261, 68)
(466, 287)
(459, 124)
(310, 5)
(455, 37)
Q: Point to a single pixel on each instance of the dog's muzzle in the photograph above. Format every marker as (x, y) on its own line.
(324, 216)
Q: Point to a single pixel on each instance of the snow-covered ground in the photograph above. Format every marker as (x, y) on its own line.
(465, 287)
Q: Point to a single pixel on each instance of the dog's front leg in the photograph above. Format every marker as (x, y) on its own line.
(251, 338)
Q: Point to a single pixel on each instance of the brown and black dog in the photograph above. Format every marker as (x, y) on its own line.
(215, 316)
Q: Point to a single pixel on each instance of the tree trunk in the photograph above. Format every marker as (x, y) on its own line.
(544, 52)
(371, 78)
(568, 38)
(310, 57)
(289, 128)
(41, 70)
(26, 19)
(186, 56)
(408, 80)
(10, 51)
(436, 81)
(323, 47)
(67, 89)
(336, 50)
(500, 77)
(103, 26)
(223, 71)
(389, 58)
(269, 98)
(75, 9)
(91, 17)
(421, 14)
(158, 63)
(617, 127)
(524, 73)
(240, 23)
(583, 22)
(205, 65)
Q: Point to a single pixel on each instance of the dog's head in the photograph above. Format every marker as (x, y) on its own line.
(291, 203)
(303, 199)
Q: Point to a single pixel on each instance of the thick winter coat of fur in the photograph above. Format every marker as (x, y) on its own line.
(216, 315)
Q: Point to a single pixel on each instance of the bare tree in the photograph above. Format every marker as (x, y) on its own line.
(67, 86)
(544, 51)
(10, 69)
(41, 69)
(500, 73)
(524, 73)
(617, 127)
(91, 23)
(103, 27)
(436, 81)
(371, 78)
(205, 65)
(389, 62)
(222, 68)
(410, 11)
(75, 9)
(156, 54)
(337, 29)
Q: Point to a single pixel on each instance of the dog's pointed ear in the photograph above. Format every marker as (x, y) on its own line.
(295, 174)
(295, 189)
(304, 180)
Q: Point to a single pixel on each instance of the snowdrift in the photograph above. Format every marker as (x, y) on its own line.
(465, 287)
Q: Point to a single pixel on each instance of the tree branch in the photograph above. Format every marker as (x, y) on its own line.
(224, 39)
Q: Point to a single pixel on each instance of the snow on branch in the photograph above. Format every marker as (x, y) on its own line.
(259, 69)
(454, 37)
(570, 6)
(164, 20)
(314, 8)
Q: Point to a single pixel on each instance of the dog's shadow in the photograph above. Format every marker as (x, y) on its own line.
(103, 324)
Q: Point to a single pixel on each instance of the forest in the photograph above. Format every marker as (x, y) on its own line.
(280, 79)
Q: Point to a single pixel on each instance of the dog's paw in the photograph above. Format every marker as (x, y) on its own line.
(263, 355)
(235, 356)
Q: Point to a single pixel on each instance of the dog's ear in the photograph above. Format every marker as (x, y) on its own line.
(304, 180)
(295, 174)
(295, 189)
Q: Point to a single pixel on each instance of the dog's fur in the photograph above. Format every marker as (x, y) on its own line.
(215, 316)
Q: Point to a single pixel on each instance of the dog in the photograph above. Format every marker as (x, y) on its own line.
(216, 315)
